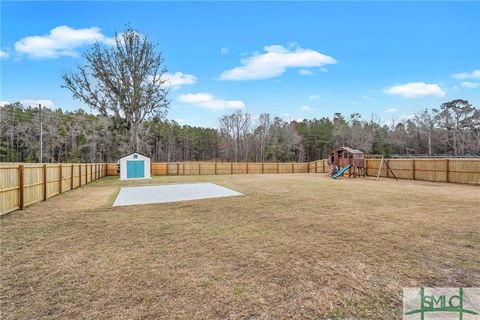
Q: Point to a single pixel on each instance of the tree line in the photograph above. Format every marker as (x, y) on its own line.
(77, 136)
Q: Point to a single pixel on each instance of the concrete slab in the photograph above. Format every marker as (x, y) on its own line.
(171, 193)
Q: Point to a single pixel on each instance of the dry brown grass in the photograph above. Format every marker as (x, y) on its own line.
(295, 246)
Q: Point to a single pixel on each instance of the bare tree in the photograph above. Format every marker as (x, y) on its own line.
(234, 129)
(426, 124)
(262, 132)
(458, 117)
(126, 80)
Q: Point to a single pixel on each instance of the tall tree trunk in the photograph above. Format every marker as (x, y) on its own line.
(135, 137)
(429, 143)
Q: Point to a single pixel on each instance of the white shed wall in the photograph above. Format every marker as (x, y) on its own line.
(130, 157)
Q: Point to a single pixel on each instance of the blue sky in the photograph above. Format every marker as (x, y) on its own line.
(296, 60)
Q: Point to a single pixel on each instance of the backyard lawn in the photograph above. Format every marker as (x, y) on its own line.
(293, 246)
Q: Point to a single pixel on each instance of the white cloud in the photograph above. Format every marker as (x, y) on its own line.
(315, 97)
(61, 41)
(4, 103)
(224, 50)
(289, 118)
(4, 54)
(470, 85)
(367, 98)
(178, 79)
(475, 74)
(275, 61)
(179, 120)
(34, 103)
(307, 108)
(416, 89)
(407, 117)
(207, 100)
(305, 72)
(323, 70)
(391, 110)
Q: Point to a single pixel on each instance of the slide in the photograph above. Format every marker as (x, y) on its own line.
(341, 171)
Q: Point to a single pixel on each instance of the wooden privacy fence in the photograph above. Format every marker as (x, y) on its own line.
(224, 168)
(23, 184)
(439, 170)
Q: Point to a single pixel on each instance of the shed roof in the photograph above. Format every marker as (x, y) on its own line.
(124, 156)
(350, 150)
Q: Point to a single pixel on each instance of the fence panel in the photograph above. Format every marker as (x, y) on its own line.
(53, 175)
(33, 185)
(239, 168)
(402, 168)
(224, 168)
(254, 168)
(9, 189)
(159, 169)
(26, 183)
(301, 167)
(270, 168)
(191, 168)
(112, 169)
(173, 168)
(464, 171)
(76, 175)
(66, 177)
(431, 170)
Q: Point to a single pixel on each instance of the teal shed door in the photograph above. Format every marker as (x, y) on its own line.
(136, 169)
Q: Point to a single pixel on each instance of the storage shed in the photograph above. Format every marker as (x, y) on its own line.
(134, 166)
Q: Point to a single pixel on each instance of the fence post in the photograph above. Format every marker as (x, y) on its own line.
(247, 167)
(316, 166)
(413, 169)
(45, 182)
(60, 178)
(199, 168)
(263, 168)
(91, 172)
(447, 170)
(178, 168)
(278, 169)
(388, 171)
(215, 167)
(323, 165)
(231, 168)
(293, 167)
(21, 185)
(71, 179)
